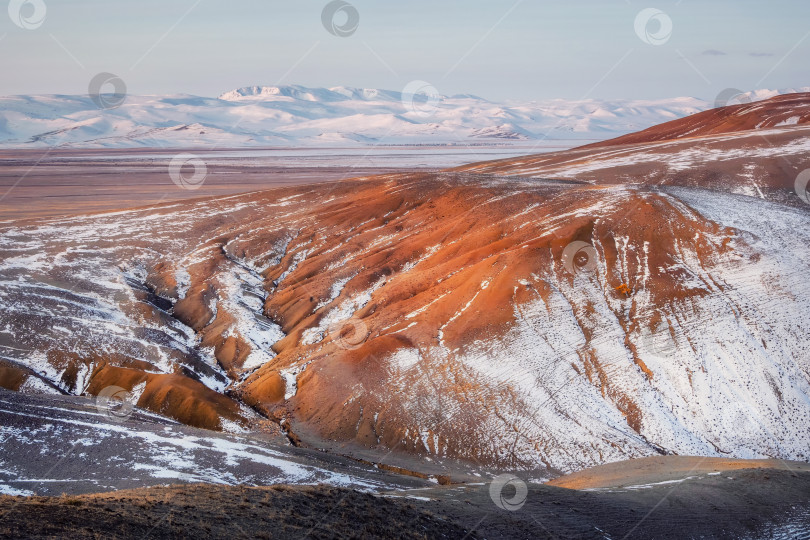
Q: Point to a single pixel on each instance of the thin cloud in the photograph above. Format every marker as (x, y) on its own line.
(713, 52)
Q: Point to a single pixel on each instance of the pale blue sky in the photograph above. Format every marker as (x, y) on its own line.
(540, 49)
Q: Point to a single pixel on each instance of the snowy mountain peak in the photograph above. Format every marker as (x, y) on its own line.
(766, 93)
(303, 93)
(295, 115)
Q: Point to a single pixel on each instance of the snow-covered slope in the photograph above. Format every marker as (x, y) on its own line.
(521, 320)
(100, 452)
(435, 315)
(296, 115)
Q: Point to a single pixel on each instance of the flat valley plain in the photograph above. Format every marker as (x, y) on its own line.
(40, 183)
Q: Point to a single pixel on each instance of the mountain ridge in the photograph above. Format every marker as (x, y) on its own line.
(289, 116)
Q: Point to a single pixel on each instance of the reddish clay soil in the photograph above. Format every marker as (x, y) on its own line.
(473, 249)
(788, 109)
(757, 149)
(475, 257)
(464, 237)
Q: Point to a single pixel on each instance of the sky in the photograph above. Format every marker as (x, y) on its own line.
(510, 50)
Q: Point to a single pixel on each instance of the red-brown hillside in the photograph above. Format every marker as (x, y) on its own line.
(514, 322)
(784, 110)
(756, 149)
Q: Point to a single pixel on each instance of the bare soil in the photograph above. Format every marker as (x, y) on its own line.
(205, 511)
(656, 469)
(36, 184)
(755, 503)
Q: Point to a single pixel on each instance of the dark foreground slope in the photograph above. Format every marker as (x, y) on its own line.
(743, 504)
(144, 476)
(218, 512)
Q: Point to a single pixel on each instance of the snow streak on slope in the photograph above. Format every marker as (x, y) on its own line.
(746, 149)
(750, 320)
(54, 445)
(578, 380)
(434, 314)
(83, 313)
(760, 163)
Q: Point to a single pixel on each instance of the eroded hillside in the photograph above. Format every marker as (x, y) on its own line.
(511, 323)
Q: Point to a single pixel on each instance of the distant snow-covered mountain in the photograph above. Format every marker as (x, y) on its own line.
(297, 115)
